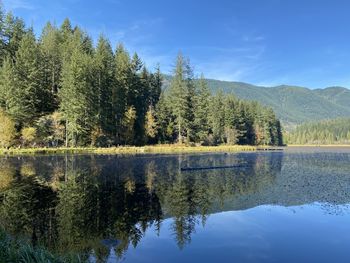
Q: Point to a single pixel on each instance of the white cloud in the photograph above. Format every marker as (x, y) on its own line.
(18, 4)
(248, 38)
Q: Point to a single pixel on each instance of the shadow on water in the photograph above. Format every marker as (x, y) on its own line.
(94, 204)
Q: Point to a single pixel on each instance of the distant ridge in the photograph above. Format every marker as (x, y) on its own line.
(292, 104)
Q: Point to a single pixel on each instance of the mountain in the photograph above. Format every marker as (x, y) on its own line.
(292, 104)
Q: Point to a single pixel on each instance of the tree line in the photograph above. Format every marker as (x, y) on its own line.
(335, 131)
(61, 89)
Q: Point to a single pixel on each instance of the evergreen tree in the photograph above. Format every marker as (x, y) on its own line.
(165, 120)
(13, 32)
(2, 35)
(21, 83)
(217, 117)
(182, 92)
(10, 96)
(50, 41)
(138, 97)
(104, 63)
(202, 109)
(120, 90)
(334, 131)
(177, 95)
(77, 97)
(67, 44)
(30, 74)
(66, 29)
(155, 87)
(190, 103)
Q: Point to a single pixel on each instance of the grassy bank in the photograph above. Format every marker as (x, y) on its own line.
(12, 250)
(132, 149)
(318, 145)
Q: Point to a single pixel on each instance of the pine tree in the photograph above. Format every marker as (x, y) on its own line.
(66, 29)
(217, 117)
(50, 42)
(177, 96)
(10, 96)
(104, 64)
(21, 83)
(155, 87)
(138, 96)
(2, 35)
(165, 120)
(202, 109)
(233, 129)
(77, 97)
(182, 93)
(66, 44)
(190, 103)
(120, 90)
(13, 32)
(134, 91)
(30, 74)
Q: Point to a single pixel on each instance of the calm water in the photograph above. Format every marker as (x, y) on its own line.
(290, 206)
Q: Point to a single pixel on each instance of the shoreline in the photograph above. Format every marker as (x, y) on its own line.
(154, 149)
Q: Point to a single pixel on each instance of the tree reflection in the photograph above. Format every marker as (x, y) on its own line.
(97, 205)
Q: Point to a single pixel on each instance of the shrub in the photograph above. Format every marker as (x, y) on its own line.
(231, 135)
(29, 135)
(50, 129)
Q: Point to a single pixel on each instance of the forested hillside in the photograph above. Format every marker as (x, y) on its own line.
(293, 105)
(62, 89)
(335, 131)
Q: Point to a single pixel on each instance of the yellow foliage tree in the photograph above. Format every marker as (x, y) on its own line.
(7, 130)
(151, 124)
(28, 135)
(128, 125)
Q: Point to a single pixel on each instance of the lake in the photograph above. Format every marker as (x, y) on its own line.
(279, 206)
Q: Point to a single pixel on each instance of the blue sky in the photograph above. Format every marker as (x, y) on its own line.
(264, 42)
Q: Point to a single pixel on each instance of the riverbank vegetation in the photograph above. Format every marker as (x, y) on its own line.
(327, 132)
(61, 89)
(14, 250)
(132, 149)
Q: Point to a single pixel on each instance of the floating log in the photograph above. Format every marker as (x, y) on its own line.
(269, 149)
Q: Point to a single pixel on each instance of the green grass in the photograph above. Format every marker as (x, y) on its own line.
(132, 149)
(12, 250)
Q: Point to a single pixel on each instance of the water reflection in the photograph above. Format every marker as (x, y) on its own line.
(101, 205)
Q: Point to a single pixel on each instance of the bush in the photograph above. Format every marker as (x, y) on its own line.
(231, 135)
(50, 129)
(7, 130)
(28, 135)
(208, 140)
